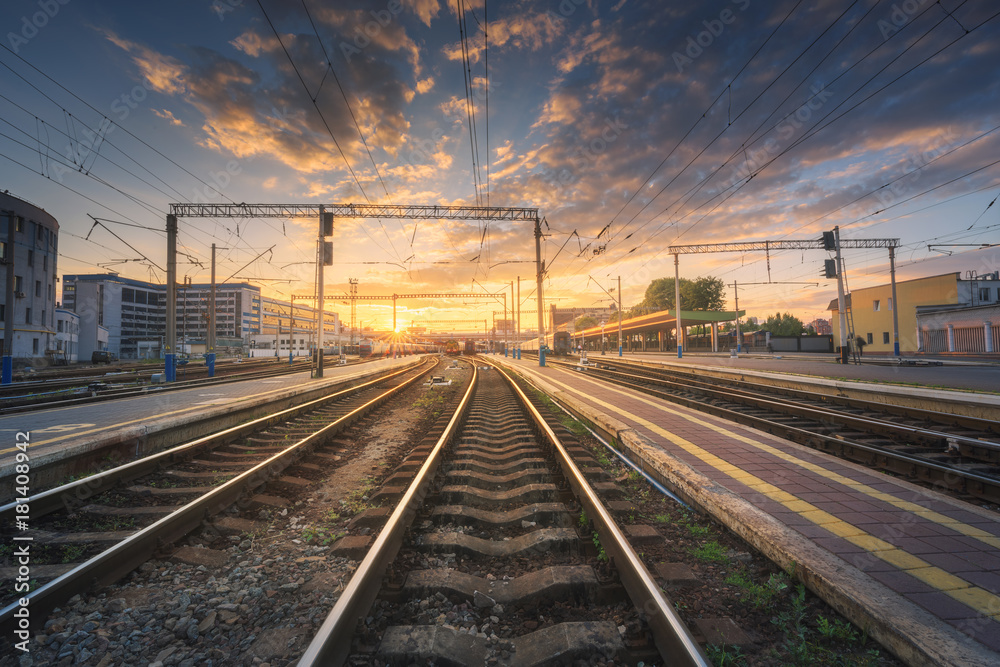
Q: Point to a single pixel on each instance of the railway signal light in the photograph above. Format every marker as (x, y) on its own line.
(829, 241)
(830, 268)
(327, 253)
(327, 223)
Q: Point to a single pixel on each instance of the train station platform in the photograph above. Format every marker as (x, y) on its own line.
(62, 432)
(968, 374)
(918, 570)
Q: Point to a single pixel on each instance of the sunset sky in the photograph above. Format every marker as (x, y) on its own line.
(636, 125)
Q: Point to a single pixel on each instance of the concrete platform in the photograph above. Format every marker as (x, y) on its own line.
(970, 375)
(917, 569)
(60, 432)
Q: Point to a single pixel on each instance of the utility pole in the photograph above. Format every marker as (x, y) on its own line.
(841, 310)
(511, 321)
(324, 231)
(170, 349)
(539, 276)
(291, 332)
(677, 306)
(620, 316)
(736, 291)
(519, 317)
(353, 282)
(895, 303)
(210, 338)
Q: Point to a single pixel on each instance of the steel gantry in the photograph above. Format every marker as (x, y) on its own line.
(326, 214)
(829, 241)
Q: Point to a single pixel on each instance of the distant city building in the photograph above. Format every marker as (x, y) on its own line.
(29, 249)
(133, 312)
(67, 339)
(561, 319)
(936, 314)
(821, 327)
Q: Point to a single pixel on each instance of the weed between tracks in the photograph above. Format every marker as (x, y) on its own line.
(784, 624)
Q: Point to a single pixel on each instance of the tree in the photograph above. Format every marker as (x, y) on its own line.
(705, 293)
(585, 322)
(783, 324)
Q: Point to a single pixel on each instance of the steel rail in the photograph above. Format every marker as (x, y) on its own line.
(972, 483)
(824, 415)
(332, 642)
(114, 563)
(670, 633)
(142, 390)
(69, 495)
(964, 421)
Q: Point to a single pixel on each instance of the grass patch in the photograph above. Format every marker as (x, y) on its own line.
(710, 552)
(758, 595)
(699, 531)
(725, 656)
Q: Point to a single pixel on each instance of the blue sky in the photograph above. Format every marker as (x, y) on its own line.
(772, 120)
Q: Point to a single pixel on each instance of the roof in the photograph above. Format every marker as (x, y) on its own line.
(835, 305)
(665, 319)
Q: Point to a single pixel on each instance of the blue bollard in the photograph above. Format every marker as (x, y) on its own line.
(210, 363)
(170, 367)
(541, 356)
(8, 370)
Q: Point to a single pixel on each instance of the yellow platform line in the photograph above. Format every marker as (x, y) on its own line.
(907, 506)
(978, 599)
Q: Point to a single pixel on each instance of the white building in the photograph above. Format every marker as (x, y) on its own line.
(134, 313)
(29, 244)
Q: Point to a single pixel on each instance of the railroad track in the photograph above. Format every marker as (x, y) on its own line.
(953, 452)
(60, 393)
(503, 490)
(109, 523)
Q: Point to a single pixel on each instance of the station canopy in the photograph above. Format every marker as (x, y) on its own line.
(665, 320)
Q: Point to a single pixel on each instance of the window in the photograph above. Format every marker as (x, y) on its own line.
(38, 288)
(3, 251)
(27, 315)
(38, 231)
(128, 295)
(885, 337)
(34, 346)
(890, 303)
(43, 317)
(59, 326)
(870, 339)
(3, 312)
(18, 284)
(20, 224)
(45, 262)
(984, 293)
(876, 305)
(31, 258)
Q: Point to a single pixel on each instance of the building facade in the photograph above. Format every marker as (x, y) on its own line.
(134, 314)
(871, 309)
(29, 249)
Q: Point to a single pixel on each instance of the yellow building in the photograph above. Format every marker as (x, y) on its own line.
(872, 307)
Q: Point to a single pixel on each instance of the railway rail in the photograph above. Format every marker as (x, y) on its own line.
(27, 396)
(954, 452)
(502, 486)
(174, 491)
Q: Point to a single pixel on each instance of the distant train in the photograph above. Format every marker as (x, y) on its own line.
(470, 347)
(561, 344)
(452, 348)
